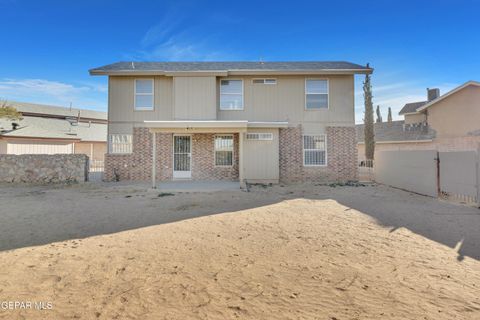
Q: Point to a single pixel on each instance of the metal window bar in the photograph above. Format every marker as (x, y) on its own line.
(224, 150)
(120, 143)
(314, 148)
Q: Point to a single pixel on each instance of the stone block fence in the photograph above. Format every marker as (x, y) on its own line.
(43, 168)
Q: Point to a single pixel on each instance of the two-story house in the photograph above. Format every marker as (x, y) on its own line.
(241, 121)
(448, 122)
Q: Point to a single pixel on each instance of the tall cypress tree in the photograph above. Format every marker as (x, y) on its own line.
(379, 115)
(389, 119)
(368, 119)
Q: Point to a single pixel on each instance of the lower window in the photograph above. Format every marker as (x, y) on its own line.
(120, 143)
(224, 150)
(314, 150)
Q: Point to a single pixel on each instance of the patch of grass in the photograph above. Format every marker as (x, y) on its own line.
(165, 194)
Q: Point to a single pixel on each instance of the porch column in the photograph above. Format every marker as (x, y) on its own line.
(154, 160)
(240, 160)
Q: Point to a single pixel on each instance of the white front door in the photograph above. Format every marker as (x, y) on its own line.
(182, 157)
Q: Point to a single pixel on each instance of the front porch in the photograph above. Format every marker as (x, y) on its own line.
(211, 150)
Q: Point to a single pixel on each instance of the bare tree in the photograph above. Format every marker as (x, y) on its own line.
(8, 112)
(368, 119)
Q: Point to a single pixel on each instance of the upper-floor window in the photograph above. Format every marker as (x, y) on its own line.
(265, 81)
(143, 94)
(231, 94)
(316, 94)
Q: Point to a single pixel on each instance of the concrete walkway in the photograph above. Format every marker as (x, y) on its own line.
(197, 186)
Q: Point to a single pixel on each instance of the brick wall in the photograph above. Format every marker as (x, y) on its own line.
(341, 156)
(138, 165)
(203, 159)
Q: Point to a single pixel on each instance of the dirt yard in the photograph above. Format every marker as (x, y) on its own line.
(303, 252)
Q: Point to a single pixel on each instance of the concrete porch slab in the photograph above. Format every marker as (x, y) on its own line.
(197, 186)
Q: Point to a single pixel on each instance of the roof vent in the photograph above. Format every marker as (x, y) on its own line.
(433, 94)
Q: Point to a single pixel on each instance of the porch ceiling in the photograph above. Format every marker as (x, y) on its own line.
(207, 126)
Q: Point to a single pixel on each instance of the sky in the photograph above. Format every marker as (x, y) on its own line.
(49, 46)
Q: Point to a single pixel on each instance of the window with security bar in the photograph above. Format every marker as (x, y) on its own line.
(224, 150)
(120, 143)
(260, 136)
(315, 150)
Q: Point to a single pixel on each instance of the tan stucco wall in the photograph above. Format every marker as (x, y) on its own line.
(94, 150)
(410, 170)
(456, 115)
(469, 143)
(284, 101)
(260, 158)
(415, 118)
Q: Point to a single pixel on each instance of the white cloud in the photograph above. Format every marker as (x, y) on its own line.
(89, 95)
(168, 40)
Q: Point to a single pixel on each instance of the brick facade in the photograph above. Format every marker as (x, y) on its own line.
(203, 159)
(138, 164)
(341, 156)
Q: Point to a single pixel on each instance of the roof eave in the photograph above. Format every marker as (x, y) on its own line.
(98, 72)
(466, 84)
(408, 113)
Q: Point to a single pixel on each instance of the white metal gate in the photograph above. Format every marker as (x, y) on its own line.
(182, 157)
(96, 169)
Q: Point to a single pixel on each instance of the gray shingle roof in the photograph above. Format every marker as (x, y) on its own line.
(40, 127)
(36, 108)
(412, 107)
(394, 132)
(229, 66)
(45, 121)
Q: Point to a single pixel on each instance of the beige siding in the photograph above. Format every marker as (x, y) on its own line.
(285, 101)
(261, 158)
(194, 98)
(457, 115)
(38, 147)
(415, 118)
(121, 100)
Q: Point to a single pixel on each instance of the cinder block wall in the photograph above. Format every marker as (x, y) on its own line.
(341, 156)
(43, 168)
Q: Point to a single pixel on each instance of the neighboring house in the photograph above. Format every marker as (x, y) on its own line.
(449, 122)
(49, 130)
(239, 121)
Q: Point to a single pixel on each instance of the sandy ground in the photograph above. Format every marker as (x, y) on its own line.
(302, 252)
